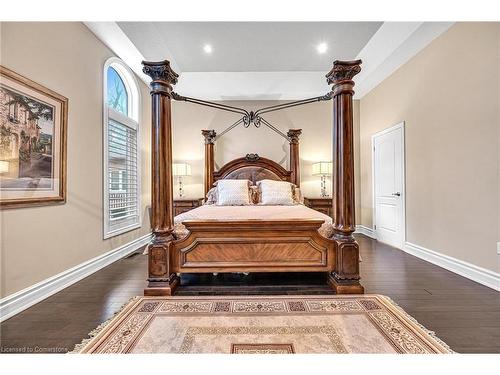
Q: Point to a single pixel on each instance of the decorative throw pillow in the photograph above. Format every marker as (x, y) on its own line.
(233, 192)
(276, 192)
(254, 194)
(211, 196)
(297, 195)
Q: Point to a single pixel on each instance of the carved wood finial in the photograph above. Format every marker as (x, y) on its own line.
(209, 136)
(293, 135)
(252, 157)
(343, 72)
(160, 72)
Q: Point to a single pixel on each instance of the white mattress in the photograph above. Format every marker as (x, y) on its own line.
(207, 212)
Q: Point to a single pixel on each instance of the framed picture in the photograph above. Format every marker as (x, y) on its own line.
(33, 125)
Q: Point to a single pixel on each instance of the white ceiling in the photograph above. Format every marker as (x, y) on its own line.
(266, 60)
(250, 46)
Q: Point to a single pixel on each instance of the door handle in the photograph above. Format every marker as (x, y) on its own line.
(398, 194)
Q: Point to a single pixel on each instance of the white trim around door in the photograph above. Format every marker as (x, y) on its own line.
(399, 240)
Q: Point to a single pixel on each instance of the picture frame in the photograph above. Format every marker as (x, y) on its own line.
(33, 131)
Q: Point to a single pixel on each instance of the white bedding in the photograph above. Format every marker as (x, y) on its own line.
(298, 211)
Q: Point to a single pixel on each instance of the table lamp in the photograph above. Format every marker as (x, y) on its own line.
(181, 170)
(323, 169)
(4, 166)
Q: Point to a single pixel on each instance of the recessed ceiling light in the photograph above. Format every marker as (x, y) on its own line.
(207, 48)
(322, 47)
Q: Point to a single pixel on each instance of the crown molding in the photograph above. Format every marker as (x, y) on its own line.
(117, 41)
(389, 48)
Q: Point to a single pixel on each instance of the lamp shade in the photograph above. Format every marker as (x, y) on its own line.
(181, 169)
(4, 166)
(322, 168)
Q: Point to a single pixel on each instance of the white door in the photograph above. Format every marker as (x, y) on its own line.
(388, 186)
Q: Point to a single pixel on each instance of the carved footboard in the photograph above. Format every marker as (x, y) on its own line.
(253, 246)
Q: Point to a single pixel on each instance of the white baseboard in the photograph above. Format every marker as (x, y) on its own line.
(19, 301)
(366, 231)
(478, 274)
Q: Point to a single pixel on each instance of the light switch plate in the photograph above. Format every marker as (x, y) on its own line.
(498, 248)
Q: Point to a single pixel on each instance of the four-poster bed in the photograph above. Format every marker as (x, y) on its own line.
(253, 245)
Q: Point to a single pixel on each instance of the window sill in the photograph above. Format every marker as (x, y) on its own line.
(114, 233)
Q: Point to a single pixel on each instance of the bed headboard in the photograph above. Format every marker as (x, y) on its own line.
(254, 168)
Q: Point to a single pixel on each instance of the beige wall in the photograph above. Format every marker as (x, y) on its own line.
(448, 96)
(315, 120)
(66, 57)
(37, 243)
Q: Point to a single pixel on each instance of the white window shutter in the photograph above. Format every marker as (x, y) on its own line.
(123, 185)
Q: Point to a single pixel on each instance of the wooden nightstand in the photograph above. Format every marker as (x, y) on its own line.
(183, 205)
(323, 205)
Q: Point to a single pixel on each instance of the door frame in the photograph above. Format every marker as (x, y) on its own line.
(400, 125)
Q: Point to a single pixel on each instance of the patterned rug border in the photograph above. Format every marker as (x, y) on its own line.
(432, 334)
(101, 328)
(122, 313)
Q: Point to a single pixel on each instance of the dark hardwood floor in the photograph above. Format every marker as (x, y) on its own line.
(466, 315)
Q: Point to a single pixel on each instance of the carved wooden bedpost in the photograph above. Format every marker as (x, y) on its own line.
(345, 278)
(209, 158)
(293, 135)
(161, 280)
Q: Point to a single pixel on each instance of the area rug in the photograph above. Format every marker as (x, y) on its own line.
(262, 325)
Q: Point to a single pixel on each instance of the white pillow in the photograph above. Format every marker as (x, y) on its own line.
(233, 193)
(276, 192)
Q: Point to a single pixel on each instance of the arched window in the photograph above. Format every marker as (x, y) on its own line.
(122, 205)
(117, 96)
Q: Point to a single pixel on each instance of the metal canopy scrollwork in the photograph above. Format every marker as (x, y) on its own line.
(252, 117)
